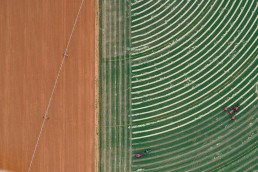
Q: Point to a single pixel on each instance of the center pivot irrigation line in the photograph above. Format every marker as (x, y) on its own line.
(54, 88)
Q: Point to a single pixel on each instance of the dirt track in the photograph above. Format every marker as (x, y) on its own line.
(33, 36)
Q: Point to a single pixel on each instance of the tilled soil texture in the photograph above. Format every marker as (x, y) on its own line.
(33, 38)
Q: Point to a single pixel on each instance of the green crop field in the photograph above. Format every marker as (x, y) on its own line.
(168, 68)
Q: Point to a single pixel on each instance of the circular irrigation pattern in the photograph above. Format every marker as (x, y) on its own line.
(190, 59)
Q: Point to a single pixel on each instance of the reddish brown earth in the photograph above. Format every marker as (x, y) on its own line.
(33, 37)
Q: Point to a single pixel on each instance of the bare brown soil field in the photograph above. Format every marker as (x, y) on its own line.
(33, 37)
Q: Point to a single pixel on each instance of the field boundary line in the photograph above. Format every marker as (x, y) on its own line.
(97, 86)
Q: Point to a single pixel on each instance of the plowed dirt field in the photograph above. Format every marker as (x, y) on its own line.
(33, 38)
